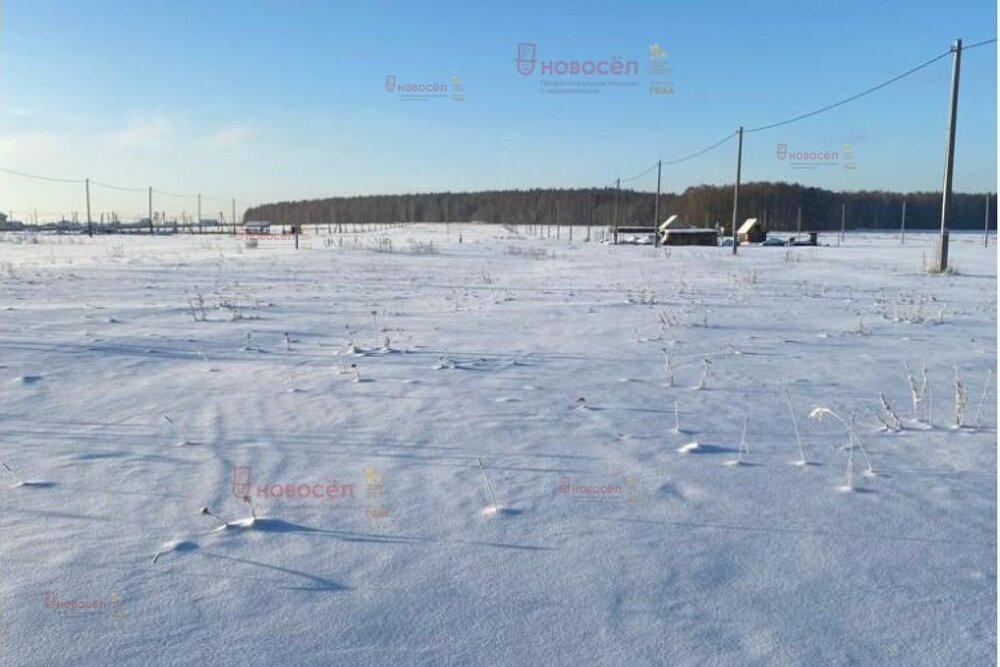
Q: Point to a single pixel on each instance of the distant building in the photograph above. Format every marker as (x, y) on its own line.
(672, 222)
(751, 231)
(689, 236)
(257, 227)
(10, 225)
(812, 238)
(668, 223)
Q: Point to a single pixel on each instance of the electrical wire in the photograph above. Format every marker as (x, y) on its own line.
(118, 187)
(982, 43)
(702, 151)
(632, 178)
(41, 178)
(174, 194)
(853, 97)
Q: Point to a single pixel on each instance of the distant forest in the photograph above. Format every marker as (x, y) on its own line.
(776, 204)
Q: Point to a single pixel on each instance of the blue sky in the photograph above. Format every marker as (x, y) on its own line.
(267, 100)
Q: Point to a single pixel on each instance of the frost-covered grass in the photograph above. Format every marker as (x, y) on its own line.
(400, 391)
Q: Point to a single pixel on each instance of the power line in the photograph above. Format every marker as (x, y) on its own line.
(111, 186)
(174, 194)
(702, 151)
(817, 111)
(219, 200)
(677, 160)
(854, 97)
(41, 178)
(632, 178)
(982, 43)
(116, 187)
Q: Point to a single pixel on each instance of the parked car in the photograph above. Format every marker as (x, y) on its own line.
(726, 242)
(774, 240)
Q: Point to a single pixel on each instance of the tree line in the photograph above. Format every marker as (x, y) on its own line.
(778, 205)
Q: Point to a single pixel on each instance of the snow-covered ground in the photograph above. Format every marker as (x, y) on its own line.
(138, 373)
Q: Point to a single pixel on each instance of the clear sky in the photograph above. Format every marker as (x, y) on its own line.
(282, 100)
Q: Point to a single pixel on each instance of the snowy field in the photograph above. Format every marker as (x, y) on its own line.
(605, 390)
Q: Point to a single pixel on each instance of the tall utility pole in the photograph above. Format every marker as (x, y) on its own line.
(949, 159)
(902, 226)
(843, 222)
(986, 224)
(90, 223)
(150, 210)
(590, 214)
(618, 188)
(798, 222)
(656, 206)
(199, 212)
(234, 212)
(736, 191)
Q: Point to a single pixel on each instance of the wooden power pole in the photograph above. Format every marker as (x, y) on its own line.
(736, 190)
(949, 159)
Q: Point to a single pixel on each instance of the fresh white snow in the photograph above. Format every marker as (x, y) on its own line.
(144, 379)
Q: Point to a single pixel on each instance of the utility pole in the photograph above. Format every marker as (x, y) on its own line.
(570, 225)
(199, 214)
(656, 206)
(618, 188)
(736, 191)
(843, 222)
(986, 224)
(949, 164)
(90, 223)
(902, 226)
(798, 222)
(150, 210)
(234, 213)
(590, 214)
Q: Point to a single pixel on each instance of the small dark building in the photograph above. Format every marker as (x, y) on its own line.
(812, 238)
(690, 236)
